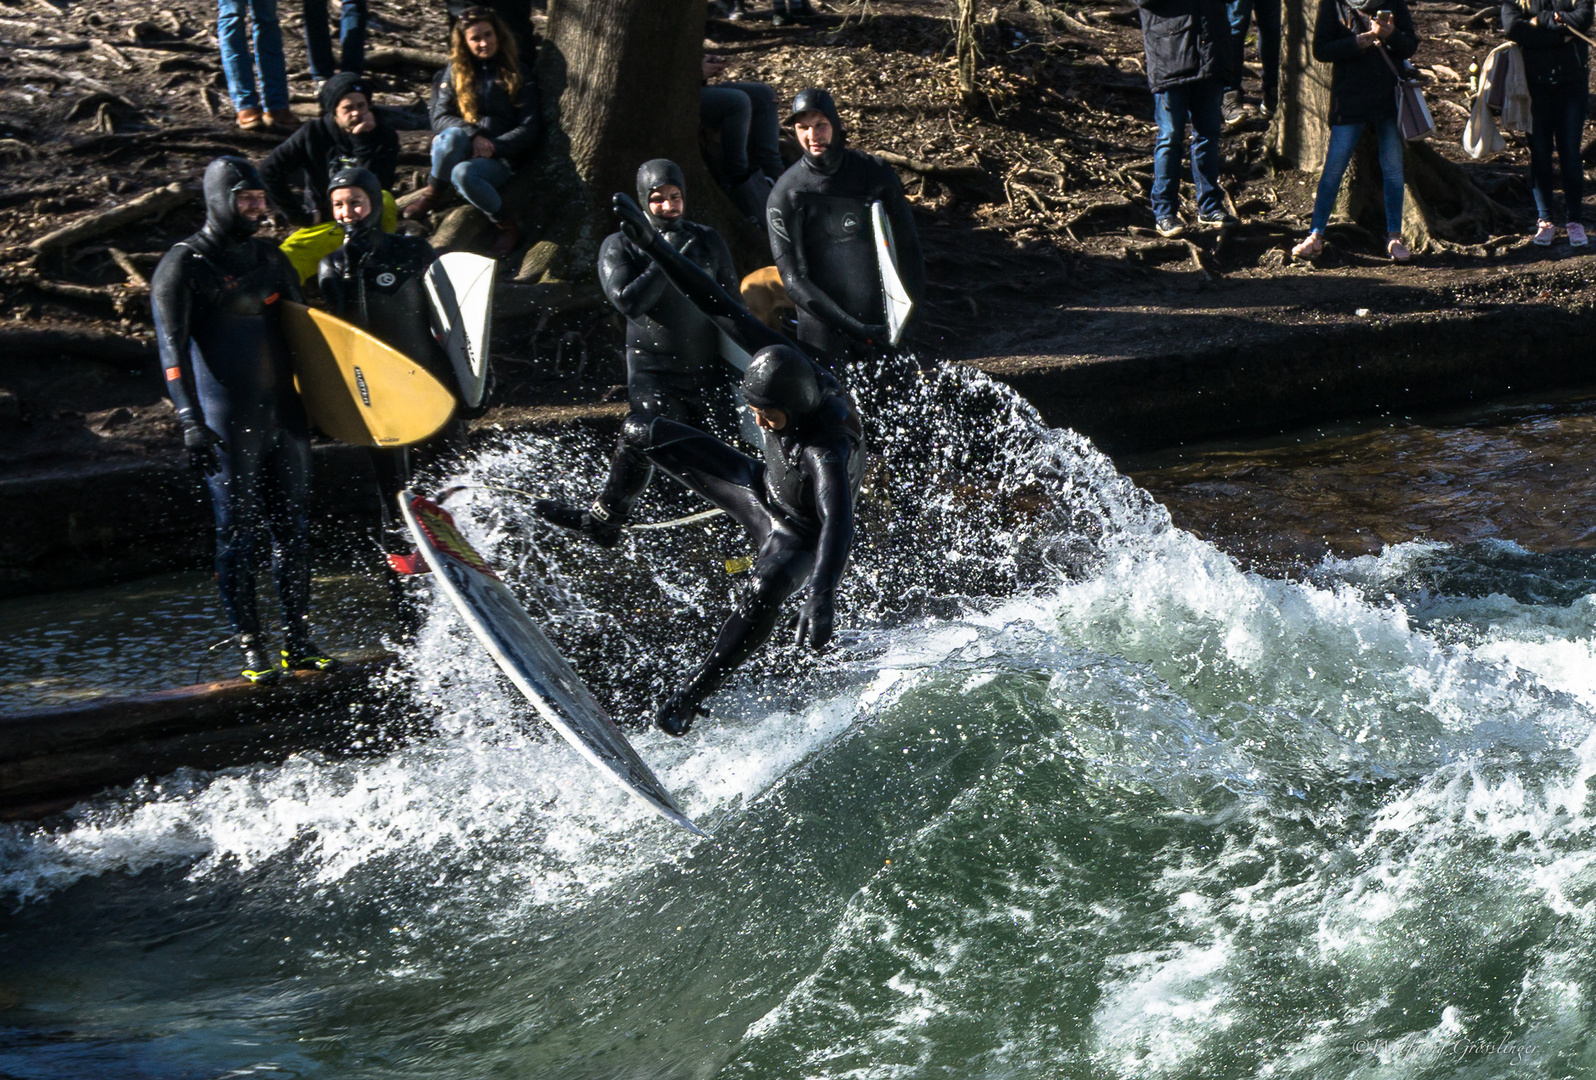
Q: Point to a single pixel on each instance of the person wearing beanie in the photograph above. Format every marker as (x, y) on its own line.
(673, 365)
(822, 240)
(348, 134)
(216, 297)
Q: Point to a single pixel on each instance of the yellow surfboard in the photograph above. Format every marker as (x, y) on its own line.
(356, 388)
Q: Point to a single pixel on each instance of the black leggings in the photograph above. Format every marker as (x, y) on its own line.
(734, 482)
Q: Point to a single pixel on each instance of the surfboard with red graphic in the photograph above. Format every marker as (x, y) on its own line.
(525, 654)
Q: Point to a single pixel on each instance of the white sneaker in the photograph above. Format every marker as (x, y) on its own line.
(1545, 233)
(1576, 235)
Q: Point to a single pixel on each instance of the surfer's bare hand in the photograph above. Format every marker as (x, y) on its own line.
(815, 619)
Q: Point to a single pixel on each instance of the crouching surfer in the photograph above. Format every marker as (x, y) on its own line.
(796, 504)
(375, 282)
(228, 372)
(673, 365)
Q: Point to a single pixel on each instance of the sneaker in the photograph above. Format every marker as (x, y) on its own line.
(258, 667)
(1398, 251)
(1271, 102)
(1231, 111)
(307, 657)
(1545, 233)
(1310, 248)
(777, 20)
(251, 119)
(1170, 227)
(592, 523)
(1576, 235)
(1217, 219)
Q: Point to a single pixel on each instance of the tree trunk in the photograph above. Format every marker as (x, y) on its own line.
(1442, 207)
(619, 81)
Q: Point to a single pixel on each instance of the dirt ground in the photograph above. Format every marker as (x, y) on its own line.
(1032, 208)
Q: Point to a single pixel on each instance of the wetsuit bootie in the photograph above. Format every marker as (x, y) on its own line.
(258, 667)
(676, 716)
(588, 522)
(304, 656)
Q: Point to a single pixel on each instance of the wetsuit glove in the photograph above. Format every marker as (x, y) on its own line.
(635, 225)
(815, 619)
(201, 443)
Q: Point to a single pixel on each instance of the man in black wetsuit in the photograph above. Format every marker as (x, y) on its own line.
(230, 377)
(375, 281)
(822, 240)
(796, 504)
(673, 364)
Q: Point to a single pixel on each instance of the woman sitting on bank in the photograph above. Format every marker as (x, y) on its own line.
(485, 111)
(1362, 93)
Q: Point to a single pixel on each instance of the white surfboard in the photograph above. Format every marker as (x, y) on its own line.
(460, 286)
(525, 654)
(733, 353)
(899, 306)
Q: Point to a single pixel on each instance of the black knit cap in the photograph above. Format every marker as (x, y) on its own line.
(341, 86)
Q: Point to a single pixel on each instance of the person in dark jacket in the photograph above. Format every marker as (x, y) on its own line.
(515, 14)
(821, 238)
(215, 298)
(485, 110)
(1366, 48)
(1557, 68)
(673, 364)
(348, 135)
(1190, 60)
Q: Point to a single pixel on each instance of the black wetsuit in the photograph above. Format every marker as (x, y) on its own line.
(824, 246)
(673, 364)
(228, 369)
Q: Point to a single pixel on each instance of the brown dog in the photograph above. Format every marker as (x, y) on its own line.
(766, 297)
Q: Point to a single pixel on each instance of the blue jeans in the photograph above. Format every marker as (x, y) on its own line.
(478, 180)
(1557, 115)
(351, 37)
(236, 63)
(1343, 141)
(745, 115)
(1198, 104)
(1241, 14)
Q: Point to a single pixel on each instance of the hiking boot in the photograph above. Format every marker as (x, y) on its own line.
(1231, 111)
(307, 657)
(1170, 227)
(1312, 247)
(1545, 233)
(283, 121)
(258, 667)
(593, 523)
(1576, 235)
(506, 241)
(1217, 219)
(1398, 251)
(430, 199)
(251, 119)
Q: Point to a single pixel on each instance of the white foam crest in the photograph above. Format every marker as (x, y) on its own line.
(1165, 1010)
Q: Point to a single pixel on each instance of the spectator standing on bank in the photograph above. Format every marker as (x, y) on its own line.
(1557, 69)
(349, 134)
(1190, 61)
(485, 110)
(1242, 14)
(351, 38)
(1362, 94)
(264, 104)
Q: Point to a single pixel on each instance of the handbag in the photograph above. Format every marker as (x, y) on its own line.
(1413, 113)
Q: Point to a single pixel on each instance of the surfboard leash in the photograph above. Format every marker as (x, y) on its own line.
(646, 526)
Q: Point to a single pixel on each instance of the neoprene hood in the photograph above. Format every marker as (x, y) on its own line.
(224, 179)
(781, 377)
(654, 174)
(365, 180)
(814, 99)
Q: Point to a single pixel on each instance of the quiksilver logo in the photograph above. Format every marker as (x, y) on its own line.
(360, 383)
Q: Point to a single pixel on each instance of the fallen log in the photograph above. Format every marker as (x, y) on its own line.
(150, 204)
(402, 57)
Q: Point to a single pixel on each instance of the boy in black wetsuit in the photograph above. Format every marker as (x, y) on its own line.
(796, 504)
(673, 364)
(230, 377)
(822, 240)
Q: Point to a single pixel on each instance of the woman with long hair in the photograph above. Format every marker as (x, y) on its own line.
(1351, 38)
(485, 111)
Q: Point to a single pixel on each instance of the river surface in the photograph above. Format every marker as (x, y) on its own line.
(1078, 795)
